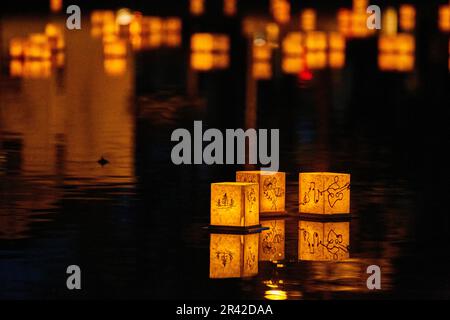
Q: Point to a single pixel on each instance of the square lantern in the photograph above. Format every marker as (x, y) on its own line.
(324, 193)
(272, 241)
(234, 204)
(233, 255)
(323, 241)
(272, 188)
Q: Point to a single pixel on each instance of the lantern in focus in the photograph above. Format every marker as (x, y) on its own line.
(308, 20)
(56, 6)
(233, 255)
(234, 204)
(407, 17)
(209, 51)
(272, 241)
(444, 18)
(323, 241)
(272, 188)
(197, 7)
(324, 193)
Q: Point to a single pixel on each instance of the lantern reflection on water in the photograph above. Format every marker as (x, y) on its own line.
(323, 241)
(234, 204)
(272, 186)
(209, 51)
(324, 193)
(444, 18)
(233, 255)
(272, 241)
(407, 17)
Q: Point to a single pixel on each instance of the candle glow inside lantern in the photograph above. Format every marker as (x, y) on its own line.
(230, 7)
(209, 51)
(396, 53)
(272, 188)
(407, 17)
(281, 11)
(197, 7)
(293, 49)
(308, 20)
(324, 193)
(272, 241)
(234, 204)
(323, 241)
(233, 255)
(444, 18)
(262, 68)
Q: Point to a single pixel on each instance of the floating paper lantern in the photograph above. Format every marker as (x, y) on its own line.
(396, 53)
(360, 5)
(407, 17)
(389, 22)
(55, 6)
(115, 66)
(230, 7)
(16, 48)
(272, 188)
(272, 241)
(234, 204)
(444, 18)
(324, 193)
(308, 20)
(37, 47)
(233, 255)
(281, 11)
(197, 7)
(323, 241)
(316, 41)
(344, 19)
(209, 51)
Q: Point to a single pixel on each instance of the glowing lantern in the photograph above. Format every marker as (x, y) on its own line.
(293, 65)
(336, 59)
(316, 60)
(396, 53)
(114, 47)
(323, 241)
(233, 255)
(100, 17)
(230, 7)
(55, 6)
(324, 193)
(336, 41)
(36, 69)
(407, 17)
(359, 25)
(262, 68)
(234, 204)
(360, 5)
(55, 36)
(197, 7)
(15, 68)
(308, 20)
(316, 41)
(115, 66)
(272, 241)
(344, 22)
(444, 18)
(209, 51)
(336, 55)
(293, 53)
(389, 22)
(124, 17)
(16, 48)
(272, 188)
(281, 11)
(292, 44)
(37, 47)
(273, 32)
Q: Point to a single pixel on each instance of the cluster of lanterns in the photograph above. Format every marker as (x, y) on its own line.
(236, 248)
(352, 23)
(35, 55)
(209, 51)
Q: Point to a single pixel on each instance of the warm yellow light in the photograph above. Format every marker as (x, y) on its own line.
(444, 18)
(99, 17)
(360, 5)
(336, 59)
(233, 255)
(272, 241)
(55, 36)
(396, 53)
(344, 22)
(324, 193)
(263, 52)
(230, 7)
(407, 17)
(40, 69)
(273, 32)
(124, 17)
(293, 65)
(15, 68)
(281, 11)
(293, 44)
(115, 48)
(209, 51)
(16, 47)
(275, 295)
(56, 5)
(272, 188)
(359, 25)
(316, 40)
(316, 60)
(234, 204)
(308, 20)
(262, 70)
(115, 66)
(37, 47)
(197, 7)
(389, 21)
(323, 241)
(336, 41)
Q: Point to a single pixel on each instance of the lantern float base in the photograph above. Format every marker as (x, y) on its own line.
(235, 230)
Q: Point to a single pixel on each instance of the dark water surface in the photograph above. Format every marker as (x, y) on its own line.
(134, 226)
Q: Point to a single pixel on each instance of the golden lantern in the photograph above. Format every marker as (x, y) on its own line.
(15, 68)
(308, 20)
(273, 33)
(336, 41)
(324, 193)
(292, 44)
(262, 68)
(100, 17)
(281, 11)
(209, 51)
(197, 7)
(360, 5)
(233, 255)
(272, 241)
(344, 18)
(293, 65)
(36, 69)
(316, 41)
(234, 204)
(56, 6)
(444, 18)
(114, 47)
(407, 17)
(336, 59)
(124, 17)
(55, 36)
(323, 241)
(272, 188)
(389, 22)
(115, 66)
(230, 7)
(37, 47)
(359, 25)
(396, 53)
(316, 60)
(16, 48)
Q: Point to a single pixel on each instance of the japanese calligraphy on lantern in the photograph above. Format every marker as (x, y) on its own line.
(272, 241)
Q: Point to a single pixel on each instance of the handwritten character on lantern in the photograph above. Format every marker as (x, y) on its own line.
(272, 191)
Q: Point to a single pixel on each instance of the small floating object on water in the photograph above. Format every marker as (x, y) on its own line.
(103, 162)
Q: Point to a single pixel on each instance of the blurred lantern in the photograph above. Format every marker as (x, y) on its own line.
(316, 41)
(262, 67)
(233, 255)
(273, 33)
(172, 30)
(407, 17)
(115, 66)
(360, 5)
(114, 47)
(230, 7)
(56, 6)
(293, 53)
(389, 22)
(396, 53)
(323, 241)
(272, 188)
(40, 69)
(344, 19)
(359, 25)
(444, 18)
(272, 241)
(37, 47)
(15, 68)
(281, 11)
(336, 41)
(197, 7)
(124, 17)
(336, 54)
(55, 36)
(316, 60)
(324, 193)
(16, 48)
(234, 204)
(209, 51)
(336, 59)
(308, 20)
(100, 18)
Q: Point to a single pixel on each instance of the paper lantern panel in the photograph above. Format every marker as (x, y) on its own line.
(324, 193)
(272, 241)
(272, 188)
(323, 241)
(234, 204)
(233, 255)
